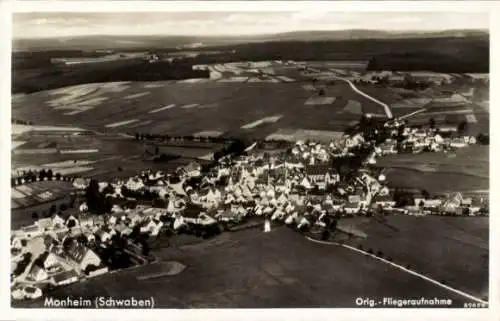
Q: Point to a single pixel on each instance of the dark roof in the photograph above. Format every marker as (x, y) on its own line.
(319, 169)
(77, 252)
(383, 198)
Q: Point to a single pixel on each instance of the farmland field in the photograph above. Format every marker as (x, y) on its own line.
(453, 250)
(465, 170)
(215, 107)
(264, 271)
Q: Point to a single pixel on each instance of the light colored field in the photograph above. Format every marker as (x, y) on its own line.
(479, 76)
(134, 96)
(270, 80)
(340, 72)
(192, 81)
(190, 106)
(78, 151)
(20, 129)
(153, 85)
(17, 143)
(69, 163)
(484, 104)
(265, 120)
(16, 194)
(142, 123)
(453, 99)
(313, 101)
(115, 87)
(35, 151)
(25, 189)
(161, 109)
(74, 170)
(471, 118)
(74, 112)
(208, 157)
(353, 107)
(121, 123)
(208, 133)
(72, 92)
(83, 104)
(234, 79)
(285, 78)
(309, 87)
(289, 134)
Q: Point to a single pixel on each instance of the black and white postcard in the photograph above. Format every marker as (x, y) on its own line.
(256, 157)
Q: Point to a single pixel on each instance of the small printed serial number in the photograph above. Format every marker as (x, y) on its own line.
(474, 305)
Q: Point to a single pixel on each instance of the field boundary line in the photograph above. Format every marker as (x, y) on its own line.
(424, 277)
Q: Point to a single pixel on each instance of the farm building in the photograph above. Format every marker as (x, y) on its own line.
(66, 277)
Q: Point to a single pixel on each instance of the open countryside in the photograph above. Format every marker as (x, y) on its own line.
(244, 184)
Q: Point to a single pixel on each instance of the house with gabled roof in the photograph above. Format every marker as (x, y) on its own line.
(44, 223)
(72, 218)
(103, 235)
(57, 221)
(82, 256)
(38, 273)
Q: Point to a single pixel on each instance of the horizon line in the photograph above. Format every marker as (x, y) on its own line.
(393, 31)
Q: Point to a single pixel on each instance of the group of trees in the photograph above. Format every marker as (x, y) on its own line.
(32, 176)
(403, 198)
(53, 209)
(23, 264)
(20, 122)
(159, 137)
(97, 202)
(483, 139)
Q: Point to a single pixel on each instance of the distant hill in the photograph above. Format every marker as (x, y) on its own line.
(163, 42)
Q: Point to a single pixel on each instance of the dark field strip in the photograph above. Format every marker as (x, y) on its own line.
(278, 269)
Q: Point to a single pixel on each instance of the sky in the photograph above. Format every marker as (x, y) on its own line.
(51, 24)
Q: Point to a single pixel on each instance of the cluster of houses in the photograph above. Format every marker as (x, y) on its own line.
(432, 139)
(298, 187)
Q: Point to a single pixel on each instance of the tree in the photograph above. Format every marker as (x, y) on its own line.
(421, 204)
(483, 139)
(432, 123)
(82, 239)
(462, 127)
(325, 235)
(71, 223)
(50, 174)
(58, 176)
(34, 215)
(425, 194)
(24, 243)
(53, 209)
(63, 207)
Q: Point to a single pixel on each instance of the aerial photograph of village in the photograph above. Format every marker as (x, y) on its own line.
(250, 160)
